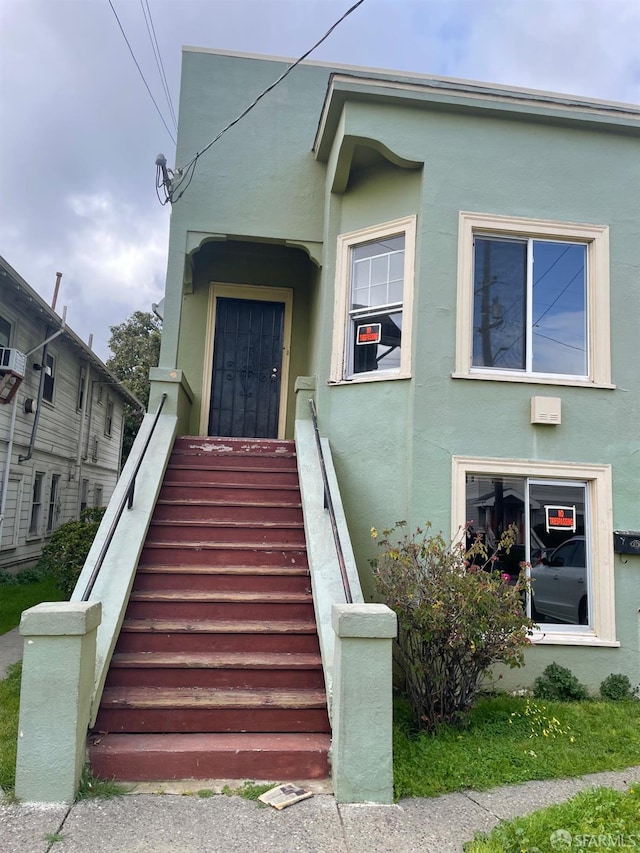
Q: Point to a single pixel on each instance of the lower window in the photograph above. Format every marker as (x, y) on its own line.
(553, 528)
(561, 515)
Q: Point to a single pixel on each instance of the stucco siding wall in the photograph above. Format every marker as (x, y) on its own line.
(393, 441)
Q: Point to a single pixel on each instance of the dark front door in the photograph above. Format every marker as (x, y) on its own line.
(247, 364)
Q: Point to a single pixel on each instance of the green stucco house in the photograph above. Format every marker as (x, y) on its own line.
(450, 272)
(458, 269)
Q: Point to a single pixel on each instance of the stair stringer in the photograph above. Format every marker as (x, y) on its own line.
(326, 578)
(113, 585)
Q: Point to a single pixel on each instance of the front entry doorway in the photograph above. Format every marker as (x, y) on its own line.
(250, 332)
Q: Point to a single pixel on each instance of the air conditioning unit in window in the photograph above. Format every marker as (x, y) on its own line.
(13, 364)
(13, 360)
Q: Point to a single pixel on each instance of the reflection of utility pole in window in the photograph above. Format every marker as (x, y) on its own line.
(491, 313)
(498, 500)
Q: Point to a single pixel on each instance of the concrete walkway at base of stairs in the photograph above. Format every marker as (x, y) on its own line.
(172, 822)
(11, 645)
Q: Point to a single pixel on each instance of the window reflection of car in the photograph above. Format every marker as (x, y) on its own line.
(560, 585)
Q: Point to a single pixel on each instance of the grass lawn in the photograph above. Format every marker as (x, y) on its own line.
(16, 597)
(600, 819)
(9, 707)
(505, 743)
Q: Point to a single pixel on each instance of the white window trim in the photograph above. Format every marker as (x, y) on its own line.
(596, 238)
(406, 226)
(600, 494)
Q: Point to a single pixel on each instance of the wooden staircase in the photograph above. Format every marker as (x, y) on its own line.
(217, 670)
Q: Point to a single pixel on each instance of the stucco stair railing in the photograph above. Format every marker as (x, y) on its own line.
(355, 637)
(68, 645)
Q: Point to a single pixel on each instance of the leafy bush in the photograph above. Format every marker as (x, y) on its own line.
(456, 618)
(25, 577)
(559, 683)
(65, 552)
(616, 687)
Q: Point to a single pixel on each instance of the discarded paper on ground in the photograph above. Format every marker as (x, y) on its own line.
(284, 795)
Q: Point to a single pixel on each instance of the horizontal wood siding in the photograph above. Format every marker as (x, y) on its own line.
(57, 439)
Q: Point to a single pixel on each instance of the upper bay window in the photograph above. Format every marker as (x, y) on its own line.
(374, 282)
(533, 301)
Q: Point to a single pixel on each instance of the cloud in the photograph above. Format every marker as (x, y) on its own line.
(80, 134)
(584, 47)
(119, 258)
(112, 255)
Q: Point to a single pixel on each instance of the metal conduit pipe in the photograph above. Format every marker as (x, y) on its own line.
(7, 467)
(36, 419)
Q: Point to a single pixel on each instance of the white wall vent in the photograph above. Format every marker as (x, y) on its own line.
(546, 410)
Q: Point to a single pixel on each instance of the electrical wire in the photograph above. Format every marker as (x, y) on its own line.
(151, 30)
(124, 35)
(186, 172)
(160, 184)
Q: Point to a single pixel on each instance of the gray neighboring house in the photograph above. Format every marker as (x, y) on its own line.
(61, 423)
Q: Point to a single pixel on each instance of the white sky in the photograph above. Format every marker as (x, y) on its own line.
(79, 133)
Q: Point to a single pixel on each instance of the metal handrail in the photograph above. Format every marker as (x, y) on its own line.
(328, 504)
(126, 500)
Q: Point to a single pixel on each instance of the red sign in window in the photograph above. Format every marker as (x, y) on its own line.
(370, 334)
(561, 518)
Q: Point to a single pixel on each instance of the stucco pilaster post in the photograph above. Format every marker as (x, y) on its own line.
(58, 672)
(362, 711)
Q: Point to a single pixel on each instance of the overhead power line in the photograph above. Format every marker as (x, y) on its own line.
(133, 56)
(182, 177)
(146, 11)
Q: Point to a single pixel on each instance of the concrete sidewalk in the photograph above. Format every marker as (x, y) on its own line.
(173, 823)
(10, 650)
(170, 822)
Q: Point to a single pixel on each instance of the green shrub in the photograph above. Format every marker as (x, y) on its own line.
(559, 683)
(616, 687)
(25, 577)
(456, 618)
(65, 552)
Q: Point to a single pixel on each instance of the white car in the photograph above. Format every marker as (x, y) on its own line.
(560, 585)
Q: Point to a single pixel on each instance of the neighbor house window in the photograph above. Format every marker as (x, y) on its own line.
(49, 368)
(108, 417)
(98, 500)
(374, 288)
(84, 495)
(5, 332)
(10, 528)
(81, 383)
(533, 300)
(564, 537)
(35, 520)
(54, 497)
